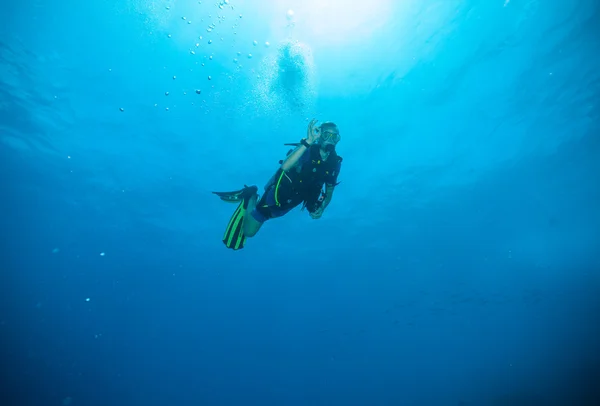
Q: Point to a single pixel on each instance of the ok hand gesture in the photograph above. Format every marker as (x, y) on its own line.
(313, 134)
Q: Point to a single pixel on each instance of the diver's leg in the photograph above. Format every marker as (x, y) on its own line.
(251, 225)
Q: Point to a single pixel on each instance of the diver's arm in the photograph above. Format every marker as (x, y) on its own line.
(328, 195)
(294, 157)
(312, 135)
(321, 208)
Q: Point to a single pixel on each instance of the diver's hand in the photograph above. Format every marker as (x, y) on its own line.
(317, 213)
(313, 134)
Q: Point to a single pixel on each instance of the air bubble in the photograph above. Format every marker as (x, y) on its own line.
(255, 43)
(209, 78)
(249, 56)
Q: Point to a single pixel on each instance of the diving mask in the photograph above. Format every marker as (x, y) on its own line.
(329, 136)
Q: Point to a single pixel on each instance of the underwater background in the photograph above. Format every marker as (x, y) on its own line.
(458, 263)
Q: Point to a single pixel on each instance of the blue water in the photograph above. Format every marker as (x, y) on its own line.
(457, 264)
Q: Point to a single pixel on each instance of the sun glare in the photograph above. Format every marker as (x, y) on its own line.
(335, 21)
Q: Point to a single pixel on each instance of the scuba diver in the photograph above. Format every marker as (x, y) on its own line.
(308, 175)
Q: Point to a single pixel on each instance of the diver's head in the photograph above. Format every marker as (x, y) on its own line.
(330, 136)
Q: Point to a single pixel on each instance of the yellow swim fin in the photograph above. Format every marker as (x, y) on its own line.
(234, 237)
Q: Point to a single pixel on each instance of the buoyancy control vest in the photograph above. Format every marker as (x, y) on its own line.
(304, 183)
